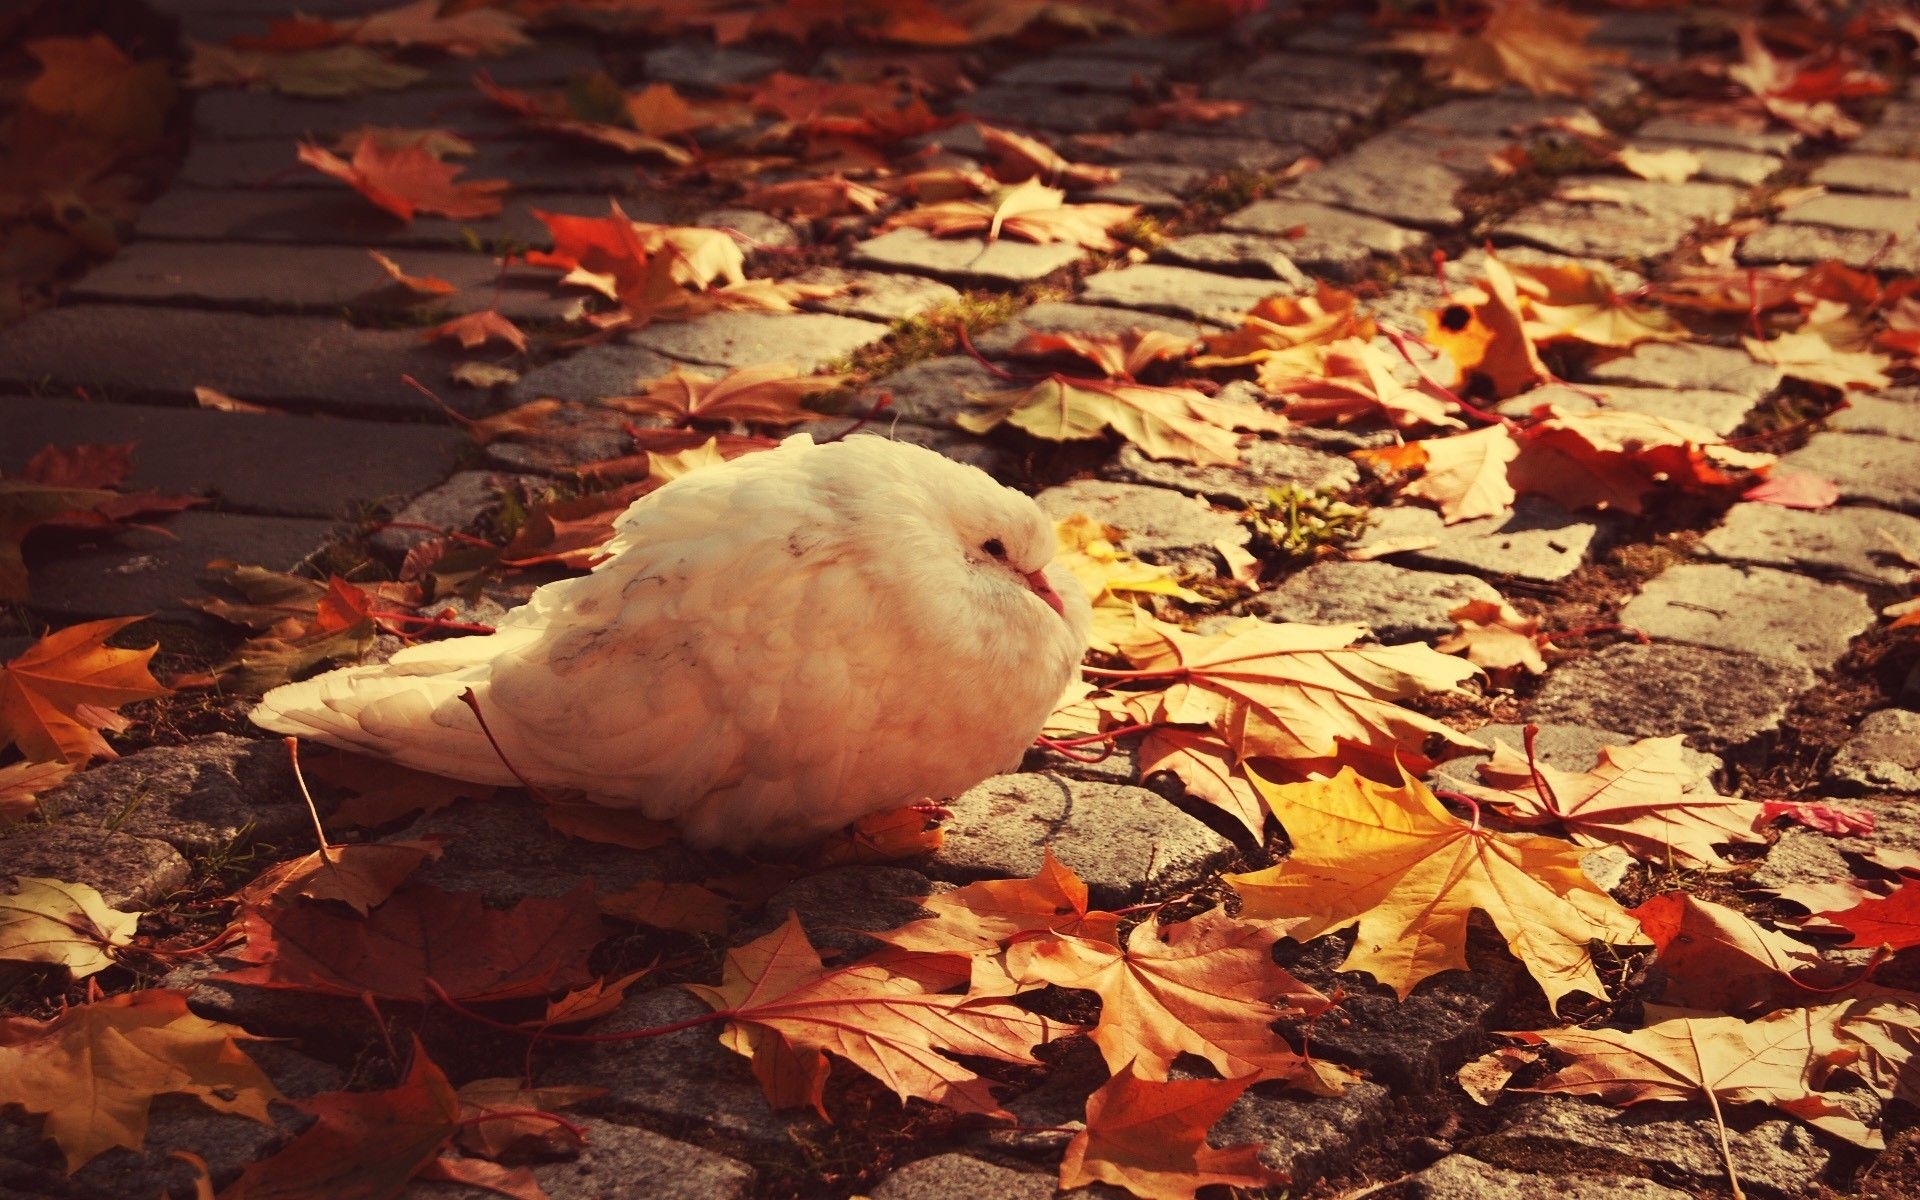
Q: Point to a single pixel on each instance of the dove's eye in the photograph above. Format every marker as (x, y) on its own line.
(995, 547)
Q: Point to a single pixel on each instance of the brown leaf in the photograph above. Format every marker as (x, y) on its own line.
(1542, 49)
(770, 394)
(1709, 957)
(1151, 1139)
(1207, 767)
(360, 876)
(464, 32)
(886, 836)
(22, 781)
(426, 285)
(686, 907)
(65, 924)
(475, 329)
(499, 1117)
(1115, 355)
(1016, 158)
(91, 84)
(1495, 638)
(1165, 422)
(472, 951)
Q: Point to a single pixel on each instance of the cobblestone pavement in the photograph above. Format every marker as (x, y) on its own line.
(253, 279)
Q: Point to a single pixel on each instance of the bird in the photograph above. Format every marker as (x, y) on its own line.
(772, 648)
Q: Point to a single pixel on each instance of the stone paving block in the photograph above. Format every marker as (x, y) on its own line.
(1783, 243)
(322, 277)
(1883, 755)
(1808, 868)
(1716, 697)
(1461, 1177)
(1263, 464)
(535, 166)
(1722, 164)
(1346, 85)
(1236, 253)
(1537, 540)
(877, 295)
(931, 392)
(1396, 603)
(1709, 133)
(1330, 241)
(129, 872)
(1053, 316)
(1045, 108)
(1386, 183)
(259, 462)
(1752, 610)
(1211, 152)
(1893, 413)
(1171, 52)
(1117, 839)
(1156, 525)
(219, 792)
(1884, 215)
(1083, 72)
(744, 339)
(1494, 114)
(1890, 139)
(1641, 219)
(1721, 412)
(964, 260)
(1639, 29)
(145, 572)
(1150, 185)
(1869, 173)
(457, 503)
(1689, 365)
(592, 373)
(840, 906)
(1867, 467)
(702, 64)
(1181, 291)
(226, 113)
(280, 361)
(302, 215)
(963, 1177)
(688, 1081)
(1847, 542)
(623, 1160)
(571, 437)
(1317, 128)
(1305, 1137)
(1773, 1155)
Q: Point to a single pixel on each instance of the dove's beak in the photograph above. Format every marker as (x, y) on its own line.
(1038, 585)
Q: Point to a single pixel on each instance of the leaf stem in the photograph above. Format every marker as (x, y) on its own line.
(293, 756)
(468, 698)
(631, 1035)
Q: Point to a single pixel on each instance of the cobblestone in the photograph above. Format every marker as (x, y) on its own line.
(1721, 412)
(1180, 291)
(1753, 610)
(1537, 540)
(1397, 604)
(1707, 133)
(1158, 525)
(1848, 543)
(1866, 467)
(1812, 244)
(964, 260)
(1882, 215)
(1689, 366)
(1637, 219)
(1883, 755)
(1869, 173)
(1891, 414)
(129, 872)
(1263, 465)
(1045, 108)
(1308, 81)
(1716, 697)
(743, 339)
(1236, 253)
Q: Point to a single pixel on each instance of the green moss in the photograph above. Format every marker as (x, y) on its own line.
(933, 333)
(1293, 522)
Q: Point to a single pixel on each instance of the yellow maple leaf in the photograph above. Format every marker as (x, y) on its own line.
(1409, 872)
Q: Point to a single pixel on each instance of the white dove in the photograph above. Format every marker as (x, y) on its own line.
(772, 648)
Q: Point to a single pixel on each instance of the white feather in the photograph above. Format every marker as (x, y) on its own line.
(774, 648)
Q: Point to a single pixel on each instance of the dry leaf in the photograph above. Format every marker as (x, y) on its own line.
(1166, 422)
(1495, 638)
(62, 690)
(770, 394)
(1151, 1139)
(1410, 873)
(65, 924)
(476, 329)
(406, 180)
(426, 285)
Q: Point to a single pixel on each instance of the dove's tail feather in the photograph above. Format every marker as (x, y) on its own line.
(407, 711)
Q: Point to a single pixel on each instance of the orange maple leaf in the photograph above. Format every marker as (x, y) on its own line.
(1151, 1139)
(62, 690)
(787, 1013)
(476, 328)
(770, 394)
(407, 179)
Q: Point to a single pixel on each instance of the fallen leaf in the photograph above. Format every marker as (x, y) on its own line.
(1410, 873)
(1645, 798)
(1292, 691)
(1614, 458)
(426, 285)
(1352, 380)
(502, 1117)
(1495, 638)
(463, 33)
(1780, 1060)
(588, 1002)
(1208, 769)
(323, 73)
(786, 1012)
(1808, 356)
(1151, 1139)
(1709, 957)
(1114, 355)
(1030, 211)
(1893, 921)
(207, 397)
(1675, 165)
(1794, 489)
(1281, 324)
(483, 375)
(361, 875)
(769, 394)
(91, 84)
(1207, 987)
(21, 782)
(983, 918)
(361, 1144)
(816, 199)
(686, 907)
(407, 179)
(551, 113)
(62, 690)
(477, 328)
(93, 1069)
(1542, 49)
(66, 924)
(1484, 332)
(472, 951)
(886, 836)
(1837, 820)
(1467, 474)
(1016, 158)
(1165, 422)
